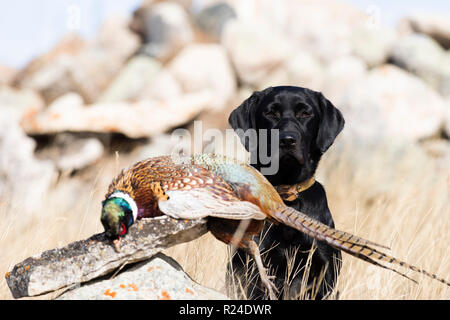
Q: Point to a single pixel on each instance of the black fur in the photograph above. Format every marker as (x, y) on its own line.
(308, 124)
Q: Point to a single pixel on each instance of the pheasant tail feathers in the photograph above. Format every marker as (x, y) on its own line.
(351, 244)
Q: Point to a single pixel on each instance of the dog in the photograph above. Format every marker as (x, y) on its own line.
(308, 124)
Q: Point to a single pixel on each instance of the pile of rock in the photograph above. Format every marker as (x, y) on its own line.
(173, 60)
(194, 56)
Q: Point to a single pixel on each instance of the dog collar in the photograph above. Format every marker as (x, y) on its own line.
(290, 192)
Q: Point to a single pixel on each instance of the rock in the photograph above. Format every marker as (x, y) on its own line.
(164, 86)
(436, 26)
(143, 78)
(143, 118)
(116, 40)
(7, 75)
(278, 76)
(164, 28)
(73, 153)
(104, 58)
(439, 152)
(160, 278)
(424, 57)
(389, 103)
(205, 67)
(305, 70)
(447, 121)
(23, 178)
(50, 74)
(254, 49)
(78, 66)
(68, 101)
(340, 74)
(20, 101)
(159, 145)
(299, 69)
(212, 19)
(373, 45)
(322, 27)
(85, 260)
(437, 148)
(136, 75)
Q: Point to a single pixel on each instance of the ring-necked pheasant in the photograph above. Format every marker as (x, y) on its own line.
(227, 191)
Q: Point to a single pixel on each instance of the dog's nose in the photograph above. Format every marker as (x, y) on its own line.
(287, 140)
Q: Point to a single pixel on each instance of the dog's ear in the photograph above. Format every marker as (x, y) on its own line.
(243, 117)
(331, 123)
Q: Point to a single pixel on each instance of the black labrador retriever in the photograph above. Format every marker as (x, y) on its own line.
(308, 124)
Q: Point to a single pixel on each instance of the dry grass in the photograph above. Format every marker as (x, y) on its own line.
(395, 196)
(399, 197)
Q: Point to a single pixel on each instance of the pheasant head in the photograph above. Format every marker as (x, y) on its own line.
(118, 214)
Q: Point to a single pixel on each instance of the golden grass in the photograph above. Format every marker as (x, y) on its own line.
(398, 197)
(394, 196)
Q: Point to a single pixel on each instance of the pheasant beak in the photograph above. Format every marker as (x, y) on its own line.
(117, 243)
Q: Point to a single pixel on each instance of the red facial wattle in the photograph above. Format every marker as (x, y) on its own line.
(123, 230)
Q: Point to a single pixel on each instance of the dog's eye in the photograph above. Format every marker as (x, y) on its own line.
(274, 114)
(303, 115)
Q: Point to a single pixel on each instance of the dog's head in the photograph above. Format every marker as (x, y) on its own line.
(307, 122)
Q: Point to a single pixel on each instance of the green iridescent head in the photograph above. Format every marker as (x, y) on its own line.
(117, 215)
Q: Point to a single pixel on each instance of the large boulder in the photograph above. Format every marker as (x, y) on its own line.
(164, 28)
(75, 153)
(160, 278)
(390, 103)
(305, 70)
(435, 25)
(340, 74)
(447, 121)
(164, 86)
(51, 73)
(322, 27)
(160, 144)
(76, 65)
(424, 57)
(143, 118)
(205, 67)
(142, 78)
(255, 49)
(20, 101)
(134, 77)
(7, 74)
(212, 19)
(373, 45)
(300, 68)
(23, 177)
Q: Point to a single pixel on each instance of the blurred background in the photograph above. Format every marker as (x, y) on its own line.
(90, 87)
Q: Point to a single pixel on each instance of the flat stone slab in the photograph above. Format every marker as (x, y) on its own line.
(88, 259)
(159, 278)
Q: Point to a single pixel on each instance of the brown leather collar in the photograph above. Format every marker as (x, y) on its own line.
(290, 192)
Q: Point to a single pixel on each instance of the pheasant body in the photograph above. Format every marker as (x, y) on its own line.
(230, 192)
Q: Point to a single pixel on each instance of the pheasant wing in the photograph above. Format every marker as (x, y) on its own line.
(198, 193)
(199, 203)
